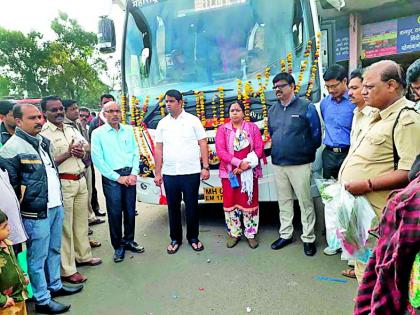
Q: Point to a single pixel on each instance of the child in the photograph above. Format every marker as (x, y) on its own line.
(12, 280)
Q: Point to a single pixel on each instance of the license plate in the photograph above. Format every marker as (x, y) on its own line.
(213, 194)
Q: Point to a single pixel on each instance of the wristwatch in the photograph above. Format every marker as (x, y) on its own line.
(207, 168)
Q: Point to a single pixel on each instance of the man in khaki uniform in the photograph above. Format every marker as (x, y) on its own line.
(362, 114)
(369, 167)
(68, 148)
(71, 118)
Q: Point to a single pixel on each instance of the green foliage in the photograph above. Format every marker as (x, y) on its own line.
(68, 66)
(5, 86)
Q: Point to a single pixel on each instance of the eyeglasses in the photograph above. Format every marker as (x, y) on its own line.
(113, 111)
(56, 109)
(332, 86)
(280, 86)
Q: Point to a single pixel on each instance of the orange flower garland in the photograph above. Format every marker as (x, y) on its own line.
(161, 105)
(314, 66)
(133, 111)
(221, 105)
(283, 65)
(290, 63)
(202, 109)
(214, 112)
(123, 113)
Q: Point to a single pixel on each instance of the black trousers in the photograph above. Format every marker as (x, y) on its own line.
(94, 202)
(331, 163)
(120, 200)
(178, 188)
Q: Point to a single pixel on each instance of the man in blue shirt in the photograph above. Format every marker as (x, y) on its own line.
(337, 113)
(116, 156)
(295, 131)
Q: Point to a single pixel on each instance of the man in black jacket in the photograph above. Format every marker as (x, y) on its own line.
(7, 125)
(33, 174)
(295, 131)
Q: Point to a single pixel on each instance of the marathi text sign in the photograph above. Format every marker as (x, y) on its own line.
(342, 45)
(408, 34)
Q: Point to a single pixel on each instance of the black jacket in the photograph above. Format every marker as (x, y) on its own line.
(4, 134)
(21, 158)
(295, 132)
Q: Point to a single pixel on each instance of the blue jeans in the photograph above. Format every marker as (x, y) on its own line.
(44, 243)
(120, 202)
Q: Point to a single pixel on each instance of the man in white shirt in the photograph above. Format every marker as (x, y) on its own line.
(180, 140)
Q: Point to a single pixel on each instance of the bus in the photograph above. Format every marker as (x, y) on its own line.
(214, 51)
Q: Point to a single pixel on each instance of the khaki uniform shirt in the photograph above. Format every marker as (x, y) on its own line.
(361, 119)
(61, 140)
(372, 156)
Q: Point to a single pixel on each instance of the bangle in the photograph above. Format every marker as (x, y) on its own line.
(370, 185)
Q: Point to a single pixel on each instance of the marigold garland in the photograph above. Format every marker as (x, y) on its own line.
(314, 66)
(161, 105)
(283, 65)
(214, 112)
(290, 63)
(266, 135)
(146, 155)
(133, 111)
(123, 109)
(221, 95)
(202, 109)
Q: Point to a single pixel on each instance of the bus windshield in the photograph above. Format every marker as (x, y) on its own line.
(202, 44)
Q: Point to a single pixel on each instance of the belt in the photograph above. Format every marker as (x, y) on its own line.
(72, 176)
(124, 169)
(338, 150)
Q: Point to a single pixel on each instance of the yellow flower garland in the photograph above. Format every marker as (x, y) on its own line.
(123, 113)
(221, 105)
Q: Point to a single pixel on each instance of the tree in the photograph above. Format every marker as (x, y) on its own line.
(68, 66)
(5, 86)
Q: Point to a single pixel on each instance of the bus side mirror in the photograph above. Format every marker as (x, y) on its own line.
(106, 35)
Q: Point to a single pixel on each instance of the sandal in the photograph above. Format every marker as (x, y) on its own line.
(196, 241)
(175, 246)
(349, 273)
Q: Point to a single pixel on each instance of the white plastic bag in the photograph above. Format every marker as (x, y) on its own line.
(330, 191)
(355, 217)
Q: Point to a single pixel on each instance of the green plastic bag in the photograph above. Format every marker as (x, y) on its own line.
(414, 288)
(23, 264)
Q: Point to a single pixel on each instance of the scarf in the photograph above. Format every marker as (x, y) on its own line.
(247, 177)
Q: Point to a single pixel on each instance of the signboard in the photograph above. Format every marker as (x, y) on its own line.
(391, 37)
(379, 39)
(408, 34)
(213, 4)
(342, 45)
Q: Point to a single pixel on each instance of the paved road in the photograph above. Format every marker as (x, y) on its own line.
(215, 281)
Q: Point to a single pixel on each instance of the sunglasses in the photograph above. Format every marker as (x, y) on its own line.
(280, 86)
(84, 116)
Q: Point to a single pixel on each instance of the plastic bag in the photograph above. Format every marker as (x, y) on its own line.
(355, 217)
(330, 190)
(23, 264)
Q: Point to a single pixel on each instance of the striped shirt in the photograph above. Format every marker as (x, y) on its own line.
(384, 288)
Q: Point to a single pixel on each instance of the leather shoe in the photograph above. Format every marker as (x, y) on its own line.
(309, 249)
(75, 278)
(119, 254)
(93, 262)
(100, 213)
(52, 308)
(280, 243)
(97, 221)
(67, 290)
(134, 247)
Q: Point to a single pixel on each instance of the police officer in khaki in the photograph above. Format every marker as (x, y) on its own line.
(69, 150)
(371, 168)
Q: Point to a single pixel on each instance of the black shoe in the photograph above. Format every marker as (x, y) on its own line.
(280, 243)
(97, 221)
(100, 213)
(119, 254)
(67, 290)
(309, 249)
(53, 307)
(134, 247)
(90, 231)
(136, 213)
